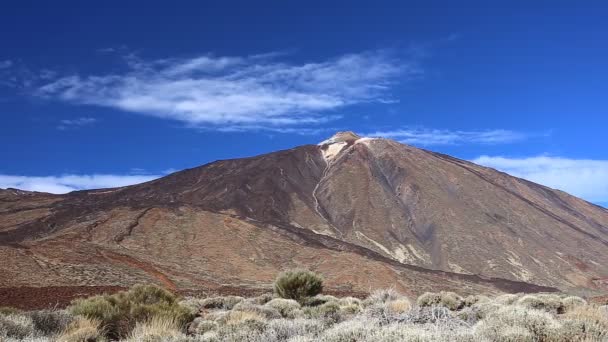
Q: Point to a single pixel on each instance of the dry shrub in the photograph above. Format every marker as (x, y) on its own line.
(318, 300)
(120, 312)
(288, 308)
(82, 329)
(506, 299)
(200, 326)
(449, 300)
(382, 296)
(18, 326)
(226, 303)
(571, 302)
(349, 301)
(544, 302)
(475, 299)
(329, 312)
(156, 329)
(399, 306)
(509, 320)
(267, 311)
(50, 322)
(7, 310)
(260, 300)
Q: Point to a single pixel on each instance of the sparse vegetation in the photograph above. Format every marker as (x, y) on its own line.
(152, 314)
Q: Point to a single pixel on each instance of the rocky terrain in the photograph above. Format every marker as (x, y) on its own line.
(366, 213)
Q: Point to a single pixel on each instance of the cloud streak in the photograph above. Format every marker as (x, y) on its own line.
(585, 178)
(76, 123)
(251, 91)
(430, 137)
(67, 183)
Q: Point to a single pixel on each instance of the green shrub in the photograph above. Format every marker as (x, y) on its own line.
(120, 312)
(298, 285)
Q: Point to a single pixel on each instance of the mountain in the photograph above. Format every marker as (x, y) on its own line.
(367, 213)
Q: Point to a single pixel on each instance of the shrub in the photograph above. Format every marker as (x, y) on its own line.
(156, 329)
(474, 299)
(449, 300)
(120, 312)
(506, 299)
(329, 312)
(261, 299)
(16, 326)
(381, 297)
(289, 330)
(50, 322)
(200, 326)
(349, 301)
(528, 324)
(7, 310)
(267, 311)
(298, 285)
(82, 329)
(548, 303)
(571, 302)
(399, 306)
(288, 308)
(226, 303)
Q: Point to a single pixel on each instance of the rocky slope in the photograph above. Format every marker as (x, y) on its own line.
(367, 213)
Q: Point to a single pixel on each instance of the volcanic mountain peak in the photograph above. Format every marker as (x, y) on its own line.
(341, 137)
(337, 143)
(366, 212)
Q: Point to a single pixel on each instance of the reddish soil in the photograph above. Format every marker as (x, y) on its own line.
(30, 298)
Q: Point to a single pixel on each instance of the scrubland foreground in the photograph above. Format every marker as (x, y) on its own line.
(298, 312)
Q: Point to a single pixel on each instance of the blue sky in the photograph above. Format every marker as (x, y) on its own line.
(115, 94)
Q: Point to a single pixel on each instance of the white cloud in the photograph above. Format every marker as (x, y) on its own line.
(428, 137)
(585, 178)
(252, 91)
(66, 183)
(75, 123)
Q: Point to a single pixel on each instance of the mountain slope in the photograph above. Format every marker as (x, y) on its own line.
(366, 212)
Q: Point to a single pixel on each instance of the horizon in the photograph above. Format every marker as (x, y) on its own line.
(121, 94)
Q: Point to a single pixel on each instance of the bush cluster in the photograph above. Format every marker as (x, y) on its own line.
(119, 313)
(298, 285)
(147, 313)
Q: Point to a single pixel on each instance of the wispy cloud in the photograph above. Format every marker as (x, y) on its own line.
(253, 91)
(76, 123)
(428, 137)
(585, 178)
(6, 64)
(66, 183)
